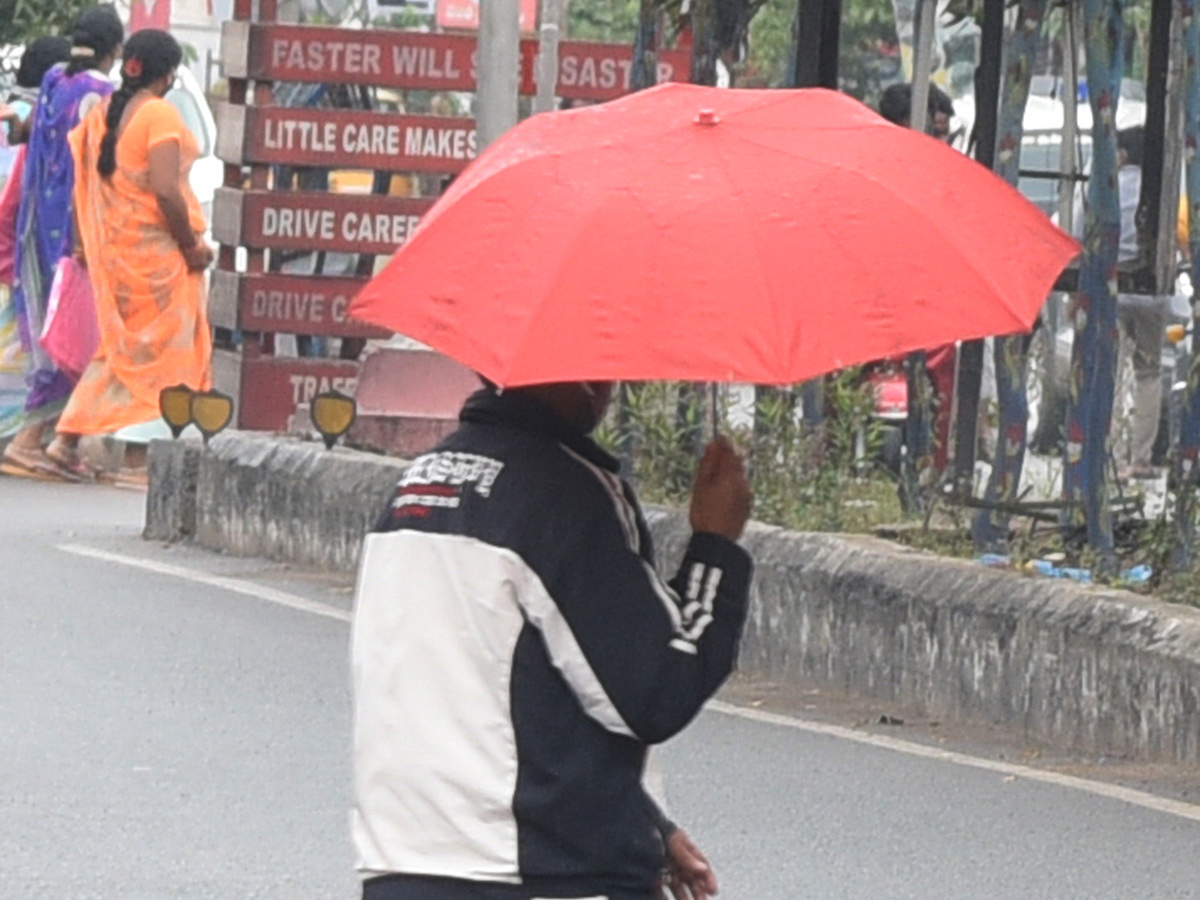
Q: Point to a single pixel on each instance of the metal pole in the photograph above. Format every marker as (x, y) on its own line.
(989, 528)
(970, 358)
(645, 48)
(549, 31)
(917, 425)
(1186, 470)
(690, 403)
(1093, 355)
(1068, 157)
(926, 21)
(1068, 167)
(814, 55)
(1154, 191)
(499, 69)
(704, 42)
(813, 62)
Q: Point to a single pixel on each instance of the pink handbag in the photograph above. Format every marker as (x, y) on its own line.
(71, 335)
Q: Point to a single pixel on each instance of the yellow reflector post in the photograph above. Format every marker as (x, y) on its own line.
(175, 404)
(211, 412)
(332, 415)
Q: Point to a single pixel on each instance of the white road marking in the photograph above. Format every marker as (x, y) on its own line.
(1010, 771)
(234, 585)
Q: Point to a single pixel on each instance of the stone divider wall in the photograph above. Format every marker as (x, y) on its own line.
(1096, 671)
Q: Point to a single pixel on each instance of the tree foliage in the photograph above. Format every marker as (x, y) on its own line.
(23, 20)
(868, 52)
(602, 20)
(869, 55)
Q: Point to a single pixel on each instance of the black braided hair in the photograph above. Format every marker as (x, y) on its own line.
(149, 55)
(39, 57)
(97, 33)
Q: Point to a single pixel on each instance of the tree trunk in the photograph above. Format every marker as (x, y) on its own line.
(1094, 309)
(645, 48)
(990, 527)
(1187, 474)
(704, 42)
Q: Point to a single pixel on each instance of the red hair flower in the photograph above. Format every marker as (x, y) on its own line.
(132, 68)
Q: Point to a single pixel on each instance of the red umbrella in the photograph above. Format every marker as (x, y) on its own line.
(701, 234)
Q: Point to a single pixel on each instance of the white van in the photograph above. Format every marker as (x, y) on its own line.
(208, 173)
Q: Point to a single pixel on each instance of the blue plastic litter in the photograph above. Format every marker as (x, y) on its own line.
(1083, 576)
(1049, 570)
(1137, 575)
(995, 561)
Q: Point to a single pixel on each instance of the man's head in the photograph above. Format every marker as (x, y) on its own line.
(896, 107)
(580, 404)
(1130, 146)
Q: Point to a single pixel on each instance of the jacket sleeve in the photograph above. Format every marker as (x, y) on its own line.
(641, 655)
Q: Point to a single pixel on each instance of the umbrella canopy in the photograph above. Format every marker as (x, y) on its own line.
(702, 234)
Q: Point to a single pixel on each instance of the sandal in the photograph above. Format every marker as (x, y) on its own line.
(37, 466)
(69, 463)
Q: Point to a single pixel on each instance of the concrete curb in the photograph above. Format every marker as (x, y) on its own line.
(1095, 671)
(268, 497)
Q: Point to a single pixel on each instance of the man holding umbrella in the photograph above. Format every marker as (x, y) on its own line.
(515, 653)
(514, 650)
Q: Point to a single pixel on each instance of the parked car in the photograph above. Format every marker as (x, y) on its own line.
(1047, 383)
(1047, 379)
(208, 173)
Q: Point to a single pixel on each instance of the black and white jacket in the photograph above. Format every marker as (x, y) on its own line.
(514, 653)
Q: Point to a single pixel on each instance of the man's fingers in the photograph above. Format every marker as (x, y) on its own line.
(709, 464)
(679, 888)
(719, 458)
(698, 870)
(697, 889)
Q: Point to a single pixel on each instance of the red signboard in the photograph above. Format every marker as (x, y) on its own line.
(292, 304)
(270, 388)
(329, 138)
(297, 220)
(465, 14)
(420, 61)
(149, 14)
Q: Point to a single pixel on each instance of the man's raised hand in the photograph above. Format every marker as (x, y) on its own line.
(721, 496)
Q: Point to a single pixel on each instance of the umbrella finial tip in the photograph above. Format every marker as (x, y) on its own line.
(707, 117)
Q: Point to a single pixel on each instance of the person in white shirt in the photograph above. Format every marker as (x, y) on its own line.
(1142, 319)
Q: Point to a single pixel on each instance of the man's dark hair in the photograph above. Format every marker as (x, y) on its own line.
(1132, 141)
(39, 57)
(939, 101)
(896, 103)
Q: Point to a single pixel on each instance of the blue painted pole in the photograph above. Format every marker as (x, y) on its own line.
(989, 529)
(1094, 308)
(1187, 474)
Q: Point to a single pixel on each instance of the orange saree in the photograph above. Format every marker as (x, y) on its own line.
(151, 310)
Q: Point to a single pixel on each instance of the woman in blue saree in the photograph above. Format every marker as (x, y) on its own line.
(44, 229)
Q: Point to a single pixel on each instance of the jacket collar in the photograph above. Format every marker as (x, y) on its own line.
(513, 409)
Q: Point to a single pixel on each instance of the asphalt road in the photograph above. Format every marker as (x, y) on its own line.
(169, 734)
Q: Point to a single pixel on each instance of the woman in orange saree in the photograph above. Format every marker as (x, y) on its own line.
(141, 230)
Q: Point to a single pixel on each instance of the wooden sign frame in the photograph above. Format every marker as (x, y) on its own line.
(344, 139)
(308, 220)
(411, 60)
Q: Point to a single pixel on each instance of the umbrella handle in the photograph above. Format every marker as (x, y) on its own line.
(714, 405)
